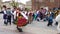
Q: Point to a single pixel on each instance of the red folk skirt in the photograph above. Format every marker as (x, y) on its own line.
(21, 22)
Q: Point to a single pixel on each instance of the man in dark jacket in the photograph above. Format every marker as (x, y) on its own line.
(9, 13)
(4, 14)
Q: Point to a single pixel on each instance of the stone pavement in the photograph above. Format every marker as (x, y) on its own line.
(40, 28)
(29, 29)
(10, 29)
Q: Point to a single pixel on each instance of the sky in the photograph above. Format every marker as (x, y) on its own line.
(22, 1)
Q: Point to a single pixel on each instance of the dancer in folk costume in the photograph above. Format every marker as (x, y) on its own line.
(30, 17)
(4, 14)
(9, 14)
(21, 20)
(14, 14)
(34, 15)
(39, 16)
(50, 18)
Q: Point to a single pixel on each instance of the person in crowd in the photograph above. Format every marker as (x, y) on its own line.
(35, 15)
(52, 13)
(50, 18)
(39, 16)
(42, 11)
(9, 13)
(14, 14)
(30, 16)
(27, 13)
(45, 15)
(18, 15)
(4, 14)
(58, 11)
(58, 20)
(22, 20)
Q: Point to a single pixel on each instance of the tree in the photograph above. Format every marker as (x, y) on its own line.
(14, 4)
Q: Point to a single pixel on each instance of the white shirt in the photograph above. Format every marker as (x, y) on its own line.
(14, 14)
(4, 12)
(37, 12)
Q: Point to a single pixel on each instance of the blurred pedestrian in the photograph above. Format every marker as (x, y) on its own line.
(58, 20)
(41, 15)
(50, 20)
(4, 14)
(14, 14)
(42, 11)
(9, 13)
(35, 15)
(30, 17)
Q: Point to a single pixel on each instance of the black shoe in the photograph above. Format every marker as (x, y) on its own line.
(51, 25)
(6, 23)
(19, 29)
(47, 25)
(56, 23)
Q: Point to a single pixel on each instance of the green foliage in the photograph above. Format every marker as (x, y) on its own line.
(14, 4)
(27, 9)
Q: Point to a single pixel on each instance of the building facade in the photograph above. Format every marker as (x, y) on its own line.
(28, 5)
(36, 4)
